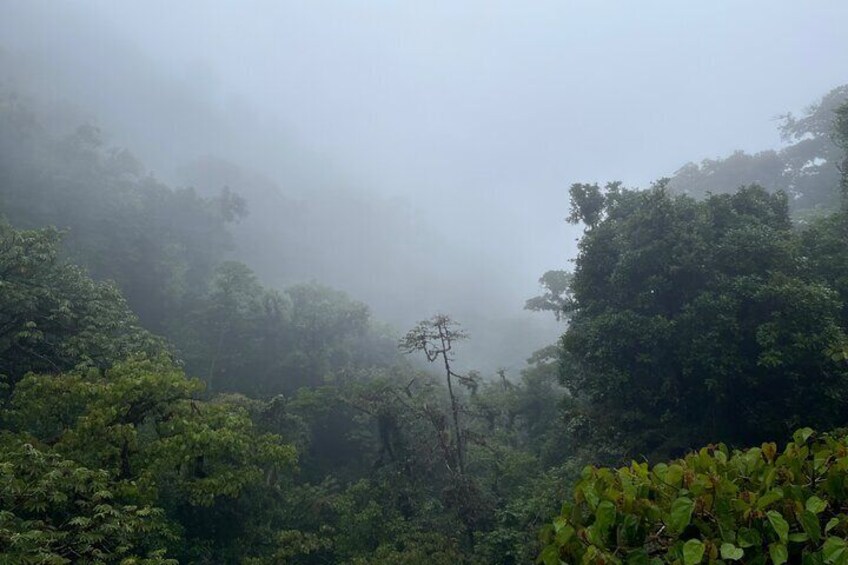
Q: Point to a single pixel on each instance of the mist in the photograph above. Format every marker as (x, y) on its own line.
(431, 145)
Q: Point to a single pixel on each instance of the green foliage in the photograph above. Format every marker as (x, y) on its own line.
(243, 337)
(555, 297)
(694, 321)
(230, 335)
(689, 321)
(417, 547)
(752, 506)
(824, 249)
(158, 244)
(53, 510)
(588, 202)
(142, 428)
(331, 331)
(53, 317)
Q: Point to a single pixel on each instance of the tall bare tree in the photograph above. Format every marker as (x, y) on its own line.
(435, 337)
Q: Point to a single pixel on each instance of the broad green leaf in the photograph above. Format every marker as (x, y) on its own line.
(731, 552)
(559, 523)
(604, 515)
(802, 435)
(564, 535)
(778, 553)
(693, 552)
(550, 555)
(810, 524)
(769, 450)
(674, 475)
(834, 550)
(812, 559)
(781, 527)
(681, 514)
(771, 496)
(591, 496)
(638, 557)
(748, 537)
(815, 504)
(630, 529)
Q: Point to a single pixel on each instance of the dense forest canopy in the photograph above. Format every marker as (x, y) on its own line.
(173, 391)
(219, 420)
(691, 321)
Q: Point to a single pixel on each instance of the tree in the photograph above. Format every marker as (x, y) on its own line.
(58, 511)
(812, 158)
(234, 334)
(556, 296)
(841, 139)
(158, 244)
(806, 169)
(327, 328)
(141, 428)
(53, 317)
(588, 202)
(693, 322)
(435, 338)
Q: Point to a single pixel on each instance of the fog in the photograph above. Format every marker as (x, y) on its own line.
(418, 155)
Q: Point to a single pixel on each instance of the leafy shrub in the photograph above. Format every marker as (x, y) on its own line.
(55, 511)
(753, 506)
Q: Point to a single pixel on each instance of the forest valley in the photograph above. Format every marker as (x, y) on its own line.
(161, 405)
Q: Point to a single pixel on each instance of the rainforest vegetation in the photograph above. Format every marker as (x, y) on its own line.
(173, 389)
(159, 404)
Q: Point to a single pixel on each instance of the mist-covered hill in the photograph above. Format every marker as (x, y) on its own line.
(306, 218)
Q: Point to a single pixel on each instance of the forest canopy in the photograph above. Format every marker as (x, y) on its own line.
(162, 400)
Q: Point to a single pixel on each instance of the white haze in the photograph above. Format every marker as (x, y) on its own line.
(433, 141)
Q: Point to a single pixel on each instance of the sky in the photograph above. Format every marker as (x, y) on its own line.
(473, 116)
(496, 107)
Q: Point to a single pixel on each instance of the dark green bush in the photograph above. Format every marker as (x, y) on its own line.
(753, 506)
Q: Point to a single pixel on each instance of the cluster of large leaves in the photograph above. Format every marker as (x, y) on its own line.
(56, 511)
(153, 443)
(753, 506)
